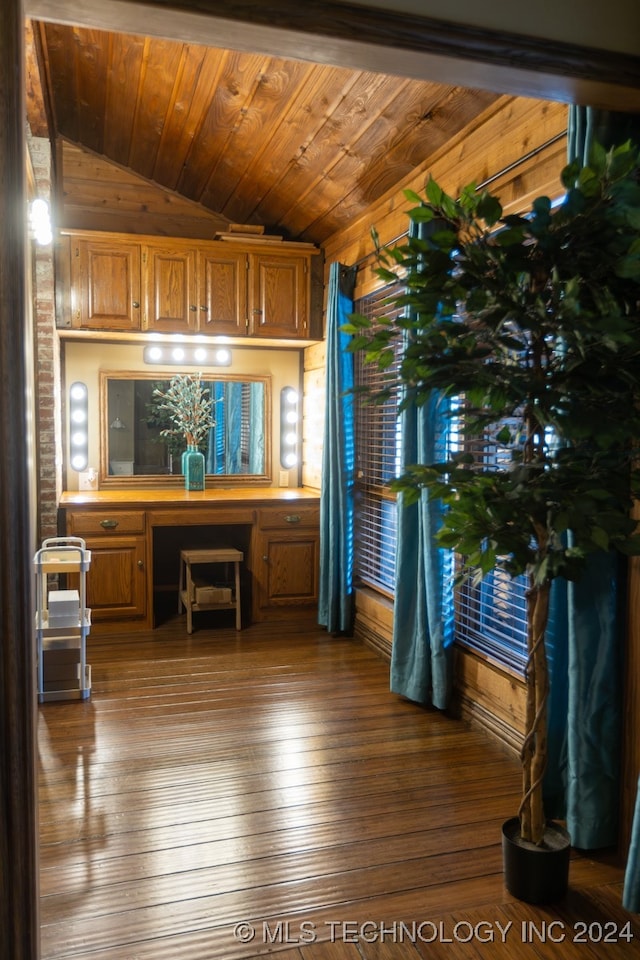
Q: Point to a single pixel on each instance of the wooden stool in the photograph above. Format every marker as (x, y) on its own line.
(196, 595)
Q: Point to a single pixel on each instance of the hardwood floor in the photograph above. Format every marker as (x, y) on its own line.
(228, 795)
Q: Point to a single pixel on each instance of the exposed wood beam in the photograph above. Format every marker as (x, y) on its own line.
(356, 36)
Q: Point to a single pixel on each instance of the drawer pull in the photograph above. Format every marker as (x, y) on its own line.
(109, 524)
(292, 518)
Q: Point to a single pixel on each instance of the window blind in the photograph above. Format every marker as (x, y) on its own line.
(377, 438)
(489, 618)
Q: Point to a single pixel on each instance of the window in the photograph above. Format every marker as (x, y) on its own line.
(489, 618)
(492, 618)
(377, 462)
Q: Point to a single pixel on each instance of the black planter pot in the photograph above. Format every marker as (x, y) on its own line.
(536, 874)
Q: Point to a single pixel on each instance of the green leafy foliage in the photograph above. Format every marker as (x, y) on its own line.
(533, 324)
(534, 321)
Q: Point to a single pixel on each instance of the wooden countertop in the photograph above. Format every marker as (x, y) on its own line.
(158, 497)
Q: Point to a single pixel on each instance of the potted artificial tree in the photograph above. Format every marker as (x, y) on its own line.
(533, 323)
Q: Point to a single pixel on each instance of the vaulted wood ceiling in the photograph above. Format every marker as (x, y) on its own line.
(299, 148)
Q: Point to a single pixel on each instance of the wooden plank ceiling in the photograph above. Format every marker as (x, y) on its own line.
(296, 147)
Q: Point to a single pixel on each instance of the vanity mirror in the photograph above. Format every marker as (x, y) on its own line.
(133, 451)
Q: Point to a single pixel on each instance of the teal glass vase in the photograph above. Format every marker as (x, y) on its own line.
(193, 469)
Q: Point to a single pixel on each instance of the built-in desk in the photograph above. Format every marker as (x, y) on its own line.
(133, 535)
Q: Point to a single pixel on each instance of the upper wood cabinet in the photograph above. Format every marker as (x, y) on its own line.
(113, 282)
(278, 295)
(105, 285)
(169, 284)
(222, 283)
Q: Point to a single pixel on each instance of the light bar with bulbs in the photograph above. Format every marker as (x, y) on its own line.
(79, 425)
(200, 355)
(289, 428)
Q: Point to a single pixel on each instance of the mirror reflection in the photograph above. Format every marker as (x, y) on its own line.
(133, 446)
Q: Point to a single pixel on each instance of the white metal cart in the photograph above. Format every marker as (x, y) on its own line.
(63, 620)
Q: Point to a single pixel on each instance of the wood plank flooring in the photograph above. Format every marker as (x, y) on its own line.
(226, 796)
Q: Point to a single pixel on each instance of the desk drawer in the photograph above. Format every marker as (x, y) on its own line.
(89, 523)
(292, 517)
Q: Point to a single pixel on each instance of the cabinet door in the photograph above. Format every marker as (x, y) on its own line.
(278, 295)
(116, 581)
(105, 285)
(286, 572)
(169, 276)
(222, 285)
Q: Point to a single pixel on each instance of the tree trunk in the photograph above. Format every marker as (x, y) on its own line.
(534, 749)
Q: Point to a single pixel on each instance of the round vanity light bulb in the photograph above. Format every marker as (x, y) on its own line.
(40, 221)
(78, 391)
(177, 354)
(200, 354)
(155, 354)
(78, 416)
(291, 438)
(290, 460)
(78, 439)
(291, 417)
(223, 356)
(79, 461)
(291, 396)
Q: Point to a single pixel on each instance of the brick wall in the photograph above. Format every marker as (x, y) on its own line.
(48, 398)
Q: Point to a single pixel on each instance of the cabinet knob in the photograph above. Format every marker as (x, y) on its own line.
(109, 524)
(136, 304)
(203, 308)
(266, 558)
(193, 308)
(140, 564)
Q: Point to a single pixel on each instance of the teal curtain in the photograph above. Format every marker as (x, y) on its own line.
(423, 620)
(335, 601)
(423, 609)
(607, 127)
(233, 427)
(594, 725)
(256, 427)
(631, 889)
(215, 447)
(584, 640)
(225, 444)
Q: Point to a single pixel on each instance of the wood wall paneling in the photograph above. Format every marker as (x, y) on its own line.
(507, 131)
(99, 195)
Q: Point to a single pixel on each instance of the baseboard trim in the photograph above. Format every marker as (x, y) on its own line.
(478, 716)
